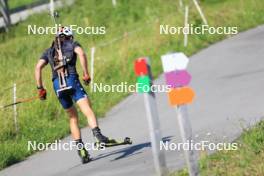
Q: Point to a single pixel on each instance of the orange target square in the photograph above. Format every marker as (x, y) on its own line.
(180, 96)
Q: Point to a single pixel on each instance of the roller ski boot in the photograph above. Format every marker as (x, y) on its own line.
(103, 141)
(82, 152)
(84, 155)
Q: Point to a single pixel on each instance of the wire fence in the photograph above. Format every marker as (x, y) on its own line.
(11, 87)
(184, 9)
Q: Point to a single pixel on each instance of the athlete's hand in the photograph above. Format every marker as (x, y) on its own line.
(42, 93)
(86, 79)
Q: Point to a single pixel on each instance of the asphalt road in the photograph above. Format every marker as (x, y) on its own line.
(228, 79)
(18, 16)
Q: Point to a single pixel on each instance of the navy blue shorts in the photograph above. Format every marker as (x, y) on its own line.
(77, 92)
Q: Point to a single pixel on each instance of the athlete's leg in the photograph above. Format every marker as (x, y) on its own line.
(88, 112)
(74, 126)
(76, 134)
(67, 104)
(86, 109)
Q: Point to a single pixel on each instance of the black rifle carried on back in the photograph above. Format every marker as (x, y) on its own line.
(60, 64)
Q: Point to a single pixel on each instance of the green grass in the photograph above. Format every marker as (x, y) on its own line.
(247, 160)
(46, 121)
(17, 3)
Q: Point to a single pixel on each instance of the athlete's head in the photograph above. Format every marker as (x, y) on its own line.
(65, 33)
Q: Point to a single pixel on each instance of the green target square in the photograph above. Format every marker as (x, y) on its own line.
(143, 84)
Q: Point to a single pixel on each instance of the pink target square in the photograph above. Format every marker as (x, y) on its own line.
(177, 78)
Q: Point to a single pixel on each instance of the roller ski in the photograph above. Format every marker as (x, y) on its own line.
(84, 155)
(103, 141)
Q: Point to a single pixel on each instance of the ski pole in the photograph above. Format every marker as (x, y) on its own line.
(20, 101)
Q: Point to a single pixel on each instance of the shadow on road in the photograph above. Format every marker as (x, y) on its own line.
(129, 151)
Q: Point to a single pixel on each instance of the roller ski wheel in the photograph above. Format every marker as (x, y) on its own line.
(84, 155)
(112, 143)
(128, 140)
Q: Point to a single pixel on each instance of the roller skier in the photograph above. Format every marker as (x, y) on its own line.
(62, 56)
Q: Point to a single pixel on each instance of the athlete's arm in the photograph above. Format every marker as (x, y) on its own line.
(83, 59)
(38, 71)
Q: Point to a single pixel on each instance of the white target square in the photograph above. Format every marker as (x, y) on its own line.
(174, 61)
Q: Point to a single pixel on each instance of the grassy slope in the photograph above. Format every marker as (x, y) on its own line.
(46, 121)
(248, 160)
(17, 3)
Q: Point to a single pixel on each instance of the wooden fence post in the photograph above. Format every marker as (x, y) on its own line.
(4, 9)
